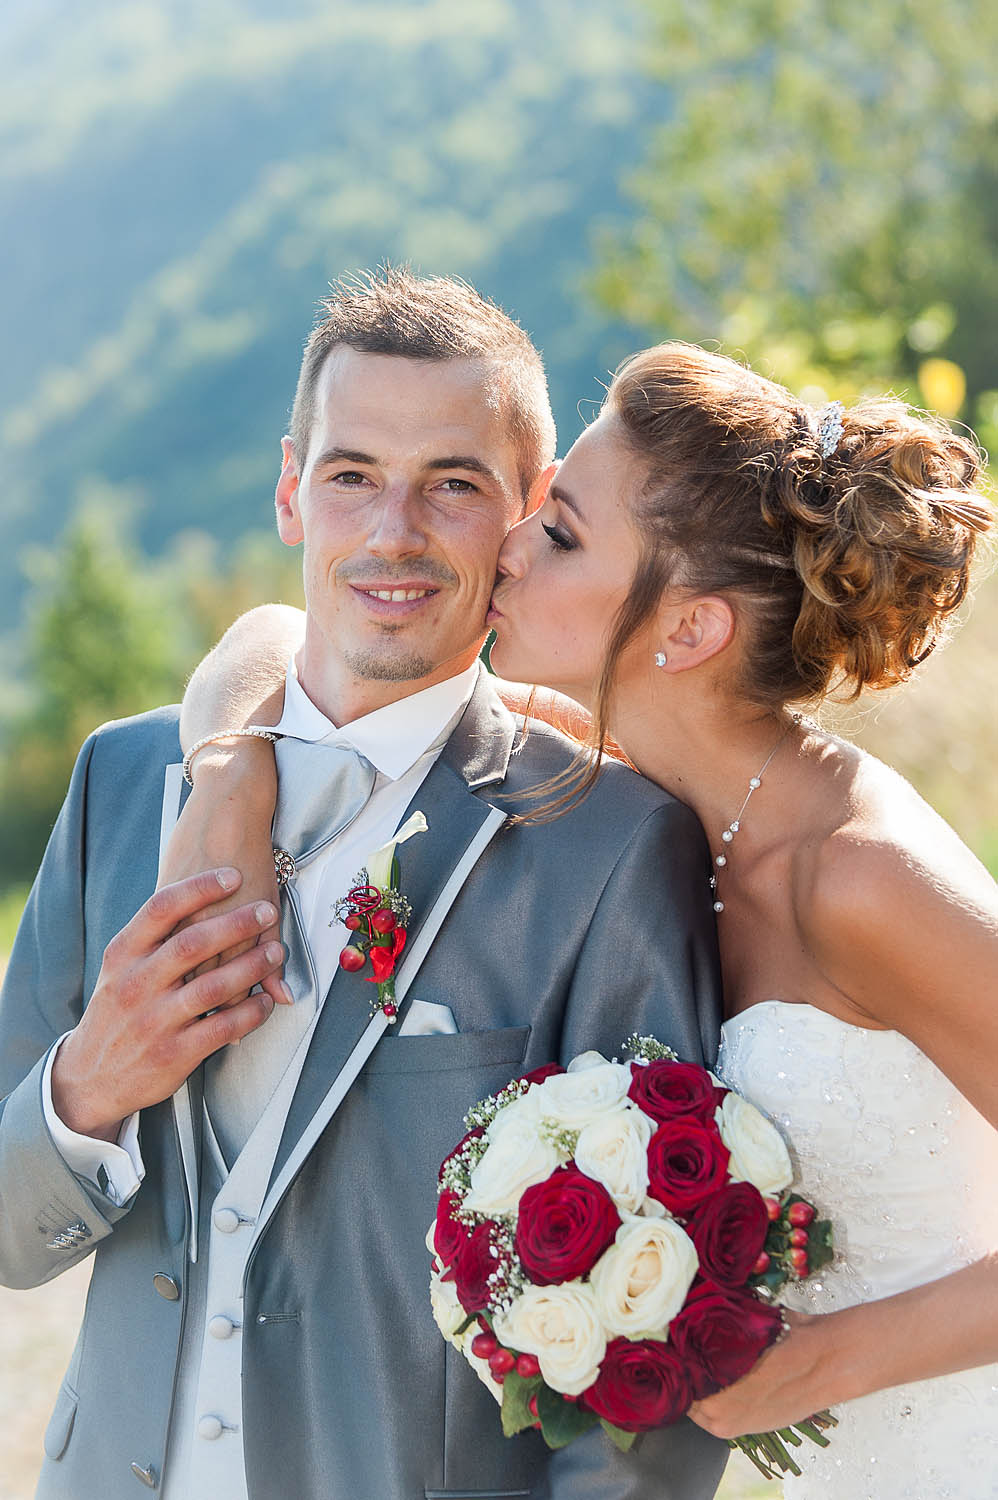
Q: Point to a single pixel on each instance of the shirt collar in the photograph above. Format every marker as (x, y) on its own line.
(392, 738)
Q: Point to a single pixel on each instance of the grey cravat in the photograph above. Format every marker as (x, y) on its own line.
(321, 789)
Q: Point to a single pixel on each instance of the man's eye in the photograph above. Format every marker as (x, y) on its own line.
(459, 486)
(350, 477)
(559, 539)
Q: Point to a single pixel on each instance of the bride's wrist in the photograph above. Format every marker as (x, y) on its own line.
(243, 765)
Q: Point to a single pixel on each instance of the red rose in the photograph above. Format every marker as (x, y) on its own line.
(729, 1231)
(472, 1135)
(473, 1266)
(720, 1334)
(640, 1384)
(539, 1074)
(687, 1162)
(449, 1235)
(383, 958)
(665, 1090)
(563, 1226)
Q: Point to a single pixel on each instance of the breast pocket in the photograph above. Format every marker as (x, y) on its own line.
(462, 1051)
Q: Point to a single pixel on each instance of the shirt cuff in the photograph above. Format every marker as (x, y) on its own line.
(115, 1170)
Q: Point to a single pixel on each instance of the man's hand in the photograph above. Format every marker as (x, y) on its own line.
(147, 1026)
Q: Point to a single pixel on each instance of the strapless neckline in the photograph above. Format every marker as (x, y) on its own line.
(812, 1010)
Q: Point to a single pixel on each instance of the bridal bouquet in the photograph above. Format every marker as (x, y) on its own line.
(608, 1243)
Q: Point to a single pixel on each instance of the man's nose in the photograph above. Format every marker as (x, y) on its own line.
(397, 527)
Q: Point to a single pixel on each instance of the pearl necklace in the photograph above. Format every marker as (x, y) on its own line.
(755, 782)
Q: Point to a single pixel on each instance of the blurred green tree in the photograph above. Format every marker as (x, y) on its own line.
(112, 633)
(824, 195)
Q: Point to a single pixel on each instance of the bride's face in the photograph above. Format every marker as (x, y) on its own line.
(565, 570)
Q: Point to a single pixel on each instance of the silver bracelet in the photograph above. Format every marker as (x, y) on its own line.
(225, 734)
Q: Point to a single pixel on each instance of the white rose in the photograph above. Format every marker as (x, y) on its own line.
(587, 1060)
(573, 1099)
(758, 1152)
(523, 1107)
(641, 1282)
(516, 1157)
(560, 1325)
(448, 1314)
(613, 1150)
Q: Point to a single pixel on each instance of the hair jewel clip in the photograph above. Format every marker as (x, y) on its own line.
(830, 428)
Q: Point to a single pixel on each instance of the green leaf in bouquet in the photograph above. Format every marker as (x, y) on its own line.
(820, 1249)
(561, 1420)
(516, 1394)
(471, 1318)
(618, 1437)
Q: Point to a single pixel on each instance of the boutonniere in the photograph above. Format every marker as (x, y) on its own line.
(375, 911)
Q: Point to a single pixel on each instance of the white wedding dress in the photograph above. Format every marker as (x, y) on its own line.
(907, 1171)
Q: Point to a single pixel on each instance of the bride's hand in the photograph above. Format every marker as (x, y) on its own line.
(776, 1392)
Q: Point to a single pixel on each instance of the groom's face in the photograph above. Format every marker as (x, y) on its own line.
(407, 490)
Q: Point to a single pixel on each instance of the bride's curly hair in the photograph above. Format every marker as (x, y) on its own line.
(843, 570)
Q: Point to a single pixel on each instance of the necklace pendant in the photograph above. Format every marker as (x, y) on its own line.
(718, 906)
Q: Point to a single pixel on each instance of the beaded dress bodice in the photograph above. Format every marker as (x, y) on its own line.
(907, 1171)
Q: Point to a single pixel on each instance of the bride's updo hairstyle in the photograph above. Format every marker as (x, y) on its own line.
(843, 567)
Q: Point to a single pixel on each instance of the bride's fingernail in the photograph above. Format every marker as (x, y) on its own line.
(289, 999)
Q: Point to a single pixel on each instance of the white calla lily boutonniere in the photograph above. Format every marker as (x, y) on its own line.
(377, 915)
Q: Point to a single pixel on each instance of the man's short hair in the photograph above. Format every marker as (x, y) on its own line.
(394, 311)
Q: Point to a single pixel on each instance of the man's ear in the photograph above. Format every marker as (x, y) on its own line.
(289, 527)
(538, 491)
(693, 630)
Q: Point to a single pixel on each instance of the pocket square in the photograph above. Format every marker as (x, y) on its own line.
(426, 1019)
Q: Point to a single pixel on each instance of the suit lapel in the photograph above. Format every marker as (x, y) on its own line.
(187, 1101)
(475, 756)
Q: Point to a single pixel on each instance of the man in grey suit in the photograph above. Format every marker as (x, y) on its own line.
(258, 1323)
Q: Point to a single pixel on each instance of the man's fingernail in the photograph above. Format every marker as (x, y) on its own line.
(274, 953)
(268, 1004)
(289, 999)
(265, 913)
(227, 877)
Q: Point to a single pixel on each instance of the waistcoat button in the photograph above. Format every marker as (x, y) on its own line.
(210, 1428)
(225, 1220)
(148, 1476)
(166, 1286)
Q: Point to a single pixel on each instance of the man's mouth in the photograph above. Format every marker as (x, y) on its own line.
(396, 596)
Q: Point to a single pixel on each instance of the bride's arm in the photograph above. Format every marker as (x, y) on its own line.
(912, 940)
(227, 817)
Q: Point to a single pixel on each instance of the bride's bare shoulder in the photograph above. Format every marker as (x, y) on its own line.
(886, 886)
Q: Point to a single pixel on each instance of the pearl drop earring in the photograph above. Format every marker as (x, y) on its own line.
(660, 658)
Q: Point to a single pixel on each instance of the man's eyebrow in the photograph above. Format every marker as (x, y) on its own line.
(564, 498)
(343, 455)
(466, 461)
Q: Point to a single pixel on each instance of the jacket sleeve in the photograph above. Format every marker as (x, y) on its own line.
(49, 1217)
(649, 964)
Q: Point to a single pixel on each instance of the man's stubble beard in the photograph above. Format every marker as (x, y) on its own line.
(377, 666)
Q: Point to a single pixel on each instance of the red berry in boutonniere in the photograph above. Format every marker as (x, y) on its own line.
(376, 911)
(800, 1214)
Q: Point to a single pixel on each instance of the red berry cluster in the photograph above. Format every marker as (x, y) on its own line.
(789, 1241)
(380, 936)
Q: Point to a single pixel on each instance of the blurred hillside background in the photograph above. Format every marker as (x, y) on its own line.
(811, 185)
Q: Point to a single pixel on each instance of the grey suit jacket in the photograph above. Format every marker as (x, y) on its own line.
(566, 936)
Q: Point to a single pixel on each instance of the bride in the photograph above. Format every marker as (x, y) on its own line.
(711, 556)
